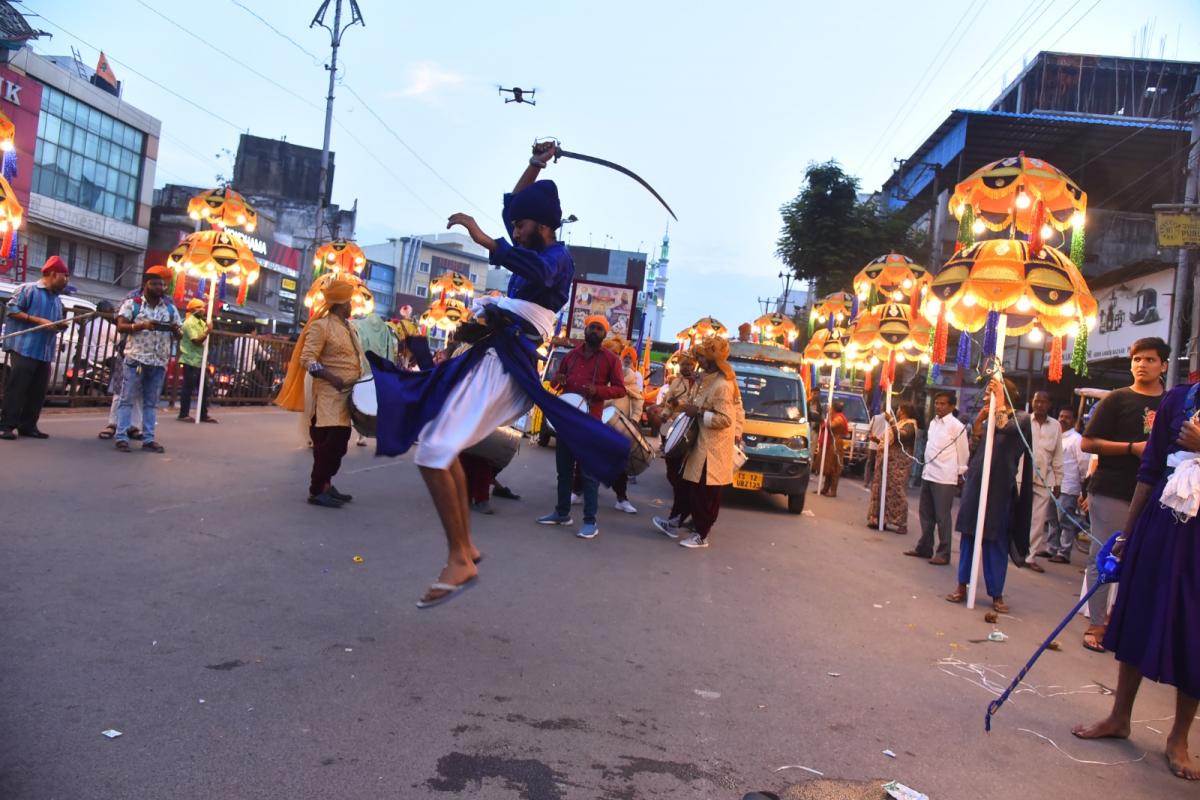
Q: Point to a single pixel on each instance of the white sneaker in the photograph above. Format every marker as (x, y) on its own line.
(694, 541)
(666, 527)
(576, 499)
(626, 506)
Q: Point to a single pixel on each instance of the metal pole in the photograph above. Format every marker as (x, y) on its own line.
(204, 358)
(826, 433)
(1190, 196)
(887, 435)
(989, 439)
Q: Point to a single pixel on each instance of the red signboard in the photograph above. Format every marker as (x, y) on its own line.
(21, 102)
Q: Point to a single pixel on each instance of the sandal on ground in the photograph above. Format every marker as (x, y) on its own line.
(107, 433)
(449, 590)
(1035, 566)
(153, 447)
(1093, 638)
(1058, 559)
(999, 606)
(123, 446)
(135, 434)
(957, 596)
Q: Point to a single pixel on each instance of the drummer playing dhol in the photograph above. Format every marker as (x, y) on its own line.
(595, 374)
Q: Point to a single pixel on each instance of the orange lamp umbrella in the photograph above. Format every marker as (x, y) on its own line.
(451, 284)
(340, 255)
(8, 133)
(774, 326)
(11, 216)
(894, 276)
(362, 301)
(214, 254)
(445, 314)
(223, 208)
(1006, 193)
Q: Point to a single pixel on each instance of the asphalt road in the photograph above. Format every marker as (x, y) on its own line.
(194, 602)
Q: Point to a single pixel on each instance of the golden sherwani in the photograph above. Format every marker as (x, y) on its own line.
(716, 430)
(333, 344)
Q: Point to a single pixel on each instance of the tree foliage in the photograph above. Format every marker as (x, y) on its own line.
(828, 236)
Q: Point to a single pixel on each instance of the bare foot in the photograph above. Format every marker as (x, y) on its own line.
(1107, 728)
(1181, 764)
(454, 574)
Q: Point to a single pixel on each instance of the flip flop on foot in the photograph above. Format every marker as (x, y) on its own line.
(440, 592)
(107, 433)
(1093, 638)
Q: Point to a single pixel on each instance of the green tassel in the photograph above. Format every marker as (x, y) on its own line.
(929, 369)
(812, 324)
(1079, 353)
(966, 228)
(1077, 237)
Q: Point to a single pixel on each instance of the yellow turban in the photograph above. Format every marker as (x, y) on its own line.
(716, 349)
(195, 304)
(339, 291)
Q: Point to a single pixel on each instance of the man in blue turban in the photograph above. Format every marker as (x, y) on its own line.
(461, 401)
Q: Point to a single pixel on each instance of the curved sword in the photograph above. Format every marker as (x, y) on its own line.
(560, 153)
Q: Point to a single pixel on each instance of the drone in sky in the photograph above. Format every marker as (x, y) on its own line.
(519, 95)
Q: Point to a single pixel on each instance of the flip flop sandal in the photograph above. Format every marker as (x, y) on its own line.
(107, 433)
(123, 447)
(1097, 634)
(451, 590)
(153, 447)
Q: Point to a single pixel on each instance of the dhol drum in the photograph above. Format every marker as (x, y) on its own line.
(364, 407)
(679, 436)
(640, 452)
(499, 448)
(577, 400)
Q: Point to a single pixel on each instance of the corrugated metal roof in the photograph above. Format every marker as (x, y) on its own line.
(1081, 119)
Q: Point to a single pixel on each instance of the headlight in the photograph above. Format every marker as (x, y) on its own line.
(798, 442)
(860, 436)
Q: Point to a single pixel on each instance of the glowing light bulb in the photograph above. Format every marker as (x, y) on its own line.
(316, 262)
(900, 359)
(874, 361)
(241, 219)
(968, 300)
(925, 359)
(906, 283)
(1023, 200)
(6, 145)
(1078, 219)
(839, 317)
(1047, 232)
(1024, 304)
(1090, 321)
(897, 295)
(194, 215)
(1035, 336)
(250, 227)
(978, 227)
(933, 307)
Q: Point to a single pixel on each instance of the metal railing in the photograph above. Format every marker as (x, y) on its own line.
(244, 369)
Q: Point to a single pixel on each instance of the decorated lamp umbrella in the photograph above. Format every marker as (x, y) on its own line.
(775, 326)
(11, 218)
(1022, 193)
(340, 255)
(827, 347)
(709, 326)
(218, 257)
(1005, 286)
(451, 284)
(223, 208)
(445, 314)
(362, 301)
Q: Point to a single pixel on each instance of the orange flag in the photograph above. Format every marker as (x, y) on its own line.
(104, 71)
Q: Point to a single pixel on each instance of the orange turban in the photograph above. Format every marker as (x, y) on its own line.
(291, 396)
(158, 271)
(716, 349)
(339, 291)
(598, 319)
(195, 304)
(631, 353)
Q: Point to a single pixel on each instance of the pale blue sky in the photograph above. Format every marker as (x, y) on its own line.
(720, 106)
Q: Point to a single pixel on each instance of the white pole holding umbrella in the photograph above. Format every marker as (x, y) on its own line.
(985, 480)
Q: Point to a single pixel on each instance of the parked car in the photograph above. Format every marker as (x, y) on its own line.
(81, 351)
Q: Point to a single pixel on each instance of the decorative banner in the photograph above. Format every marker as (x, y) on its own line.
(1177, 228)
(1133, 309)
(615, 302)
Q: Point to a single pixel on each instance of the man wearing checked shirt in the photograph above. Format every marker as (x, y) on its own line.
(30, 354)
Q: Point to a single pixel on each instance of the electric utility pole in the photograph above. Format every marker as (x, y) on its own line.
(1180, 346)
(335, 41)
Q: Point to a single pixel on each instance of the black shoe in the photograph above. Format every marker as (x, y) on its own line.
(208, 419)
(33, 434)
(7, 434)
(135, 434)
(336, 495)
(183, 418)
(153, 447)
(506, 493)
(324, 499)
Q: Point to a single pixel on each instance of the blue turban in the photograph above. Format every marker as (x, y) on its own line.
(538, 202)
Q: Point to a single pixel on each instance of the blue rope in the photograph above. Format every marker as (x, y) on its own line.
(1109, 569)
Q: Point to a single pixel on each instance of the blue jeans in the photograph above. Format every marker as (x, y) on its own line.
(565, 462)
(143, 385)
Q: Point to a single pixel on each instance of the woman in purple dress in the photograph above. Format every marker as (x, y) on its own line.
(1155, 628)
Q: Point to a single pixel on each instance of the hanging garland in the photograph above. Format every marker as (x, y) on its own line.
(990, 333)
(966, 232)
(941, 338)
(1079, 354)
(1056, 359)
(963, 357)
(9, 170)
(1077, 241)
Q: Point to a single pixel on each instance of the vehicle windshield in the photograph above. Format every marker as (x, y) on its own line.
(658, 372)
(856, 409)
(771, 396)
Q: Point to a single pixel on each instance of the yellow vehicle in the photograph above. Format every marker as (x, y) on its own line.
(775, 436)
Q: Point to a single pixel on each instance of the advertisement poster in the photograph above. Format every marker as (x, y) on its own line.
(614, 302)
(1132, 310)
